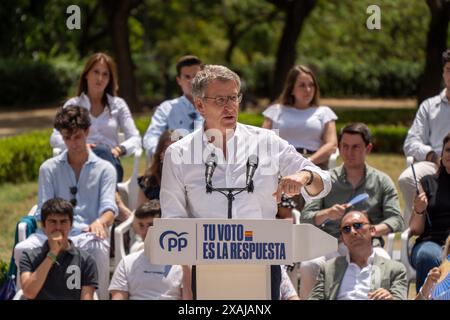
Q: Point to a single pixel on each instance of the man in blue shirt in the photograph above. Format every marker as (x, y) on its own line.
(178, 113)
(88, 182)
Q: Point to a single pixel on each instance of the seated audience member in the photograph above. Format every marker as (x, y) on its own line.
(431, 217)
(136, 278)
(178, 113)
(436, 275)
(361, 274)
(57, 270)
(97, 92)
(143, 219)
(299, 118)
(353, 177)
(88, 182)
(150, 181)
(424, 139)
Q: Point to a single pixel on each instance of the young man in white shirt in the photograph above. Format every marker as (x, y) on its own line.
(136, 278)
(179, 113)
(424, 139)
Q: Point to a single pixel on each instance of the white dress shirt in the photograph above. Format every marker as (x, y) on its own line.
(183, 191)
(430, 126)
(357, 282)
(105, 128)
(177, 113)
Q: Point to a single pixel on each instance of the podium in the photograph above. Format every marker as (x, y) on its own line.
(233, 257)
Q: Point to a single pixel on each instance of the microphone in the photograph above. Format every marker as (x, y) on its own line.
(252, 164)
(211, 163)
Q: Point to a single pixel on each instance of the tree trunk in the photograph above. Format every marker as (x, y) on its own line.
(118, 12)
(436, 44)
(295, 15)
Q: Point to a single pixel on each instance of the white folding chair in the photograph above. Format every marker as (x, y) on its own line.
(333, 159)
(129, 189)
(405, 253)
(119, 243)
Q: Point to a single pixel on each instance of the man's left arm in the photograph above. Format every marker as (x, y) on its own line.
(399, 281)
(393, 221)
(89, 280)
(107, 204)
(300, 174)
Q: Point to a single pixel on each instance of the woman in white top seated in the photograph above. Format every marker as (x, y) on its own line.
(97, 92)
(300, 120)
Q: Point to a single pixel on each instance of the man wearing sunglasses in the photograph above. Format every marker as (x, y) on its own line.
(352, 178)
(179, 113)
(88, 182)
(216, 91)
(361, 274)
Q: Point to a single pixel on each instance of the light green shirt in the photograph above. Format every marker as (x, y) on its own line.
(382, 205)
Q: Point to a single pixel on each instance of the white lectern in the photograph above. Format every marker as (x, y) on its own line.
(233, 257)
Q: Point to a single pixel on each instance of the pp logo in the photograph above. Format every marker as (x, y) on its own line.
(174, 240)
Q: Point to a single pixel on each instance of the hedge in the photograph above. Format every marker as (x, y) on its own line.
(22, 155)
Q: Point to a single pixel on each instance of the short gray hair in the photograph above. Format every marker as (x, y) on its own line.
(210, 73)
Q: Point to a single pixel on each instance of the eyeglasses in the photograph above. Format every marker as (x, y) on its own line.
(221, 100)
(73, 192)
(357, 225)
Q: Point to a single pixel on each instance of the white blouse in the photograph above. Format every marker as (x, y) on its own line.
(303, 128)
(105, 128)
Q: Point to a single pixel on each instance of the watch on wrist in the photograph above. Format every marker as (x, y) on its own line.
(123, 150)
(311, 177)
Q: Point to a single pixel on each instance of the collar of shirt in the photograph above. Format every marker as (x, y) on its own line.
(369, 259)
(87, 103)
(342, 174)
(443, 96)
(92, 158)
(233, 138)
(71, 250)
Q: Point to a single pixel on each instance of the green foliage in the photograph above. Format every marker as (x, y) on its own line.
(376, 116)
(26, 82)
(390, 78)
(3, 271)
(142, 124)
(22, 155)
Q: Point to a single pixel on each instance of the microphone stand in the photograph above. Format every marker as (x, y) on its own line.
(232, 192)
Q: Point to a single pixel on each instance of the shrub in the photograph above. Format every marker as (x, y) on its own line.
(391, 78)
(22, 155)
(3, 271)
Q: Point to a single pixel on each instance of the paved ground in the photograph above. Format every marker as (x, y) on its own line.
(15, 122)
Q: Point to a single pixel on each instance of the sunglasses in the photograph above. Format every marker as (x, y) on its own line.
(357, 225)
(73, 191)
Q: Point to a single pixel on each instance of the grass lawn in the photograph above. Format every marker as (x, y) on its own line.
(17, 199)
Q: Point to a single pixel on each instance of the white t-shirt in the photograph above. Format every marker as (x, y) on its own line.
(303, 128)
(145, 281)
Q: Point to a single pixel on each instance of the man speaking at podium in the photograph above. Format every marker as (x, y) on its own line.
(225, 154)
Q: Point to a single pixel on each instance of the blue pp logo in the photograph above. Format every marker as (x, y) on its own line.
(174, 240)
